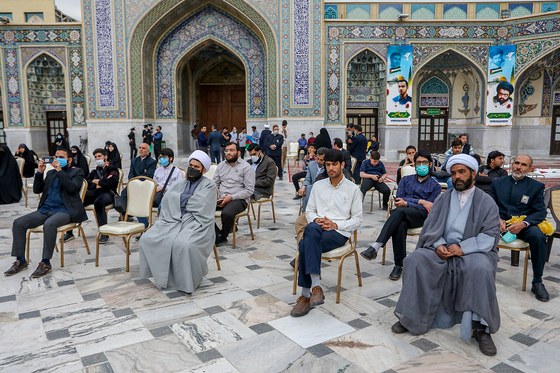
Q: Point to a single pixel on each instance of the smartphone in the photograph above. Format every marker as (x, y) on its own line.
(220, 200)
(48, 160)
(486, 171)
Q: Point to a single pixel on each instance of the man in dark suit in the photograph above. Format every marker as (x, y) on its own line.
(264, 138)
(337, 144)
(520, 195)
(60, 204)
(274, 145)
(358, 150)
(215, 141)
(265, 172)
(132, 143)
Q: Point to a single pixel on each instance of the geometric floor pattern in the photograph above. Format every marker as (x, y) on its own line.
(103, 319)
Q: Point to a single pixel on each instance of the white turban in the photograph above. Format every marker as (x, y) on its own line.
(267, 126)
(464, 159)
(202, 157)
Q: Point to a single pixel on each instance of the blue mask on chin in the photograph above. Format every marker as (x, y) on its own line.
(63, 162)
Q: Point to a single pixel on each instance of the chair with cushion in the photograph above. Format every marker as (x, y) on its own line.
(210, 173)
(337, 254)
(246, 213)
(409, 232)
(21, 163)
(108, 207)
(141, 192)
(88, 159)
(353, 161)
(264, 200)
(62, 230)
(517, 245)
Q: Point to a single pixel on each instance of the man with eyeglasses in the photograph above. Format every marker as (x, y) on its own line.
(415, 197)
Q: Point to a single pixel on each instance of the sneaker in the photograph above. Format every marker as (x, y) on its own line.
(302, 307)
(68, 236)
(103, 239)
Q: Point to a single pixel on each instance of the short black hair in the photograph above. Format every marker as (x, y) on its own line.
(375, 156)
(334, 155)
(303, 134)
(254, 147)
(350, 125)
(358, 127)
(215, 126)
(284, 122)
(167, 152)
(423, 153)
(463, 134)
(159, 127)
(254, 127)
(456, 142)
(337, 142)
(312, 145)
(63, 149)
(493, 155)
(99, 150)
(410, 147)
(233, 143)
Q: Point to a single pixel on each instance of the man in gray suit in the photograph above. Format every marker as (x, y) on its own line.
(314, 169)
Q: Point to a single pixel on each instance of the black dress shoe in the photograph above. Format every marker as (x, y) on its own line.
(68, 236)
(385, 207)
(220, 241)
(369, 254)
(103, 239)
(297, 197)
(540, 292)
(16, 268)
(395, 273)
(398, 328)
(485, 343)
(41, 270)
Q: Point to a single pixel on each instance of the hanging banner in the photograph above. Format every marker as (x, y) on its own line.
(399, 74)
(499, 99)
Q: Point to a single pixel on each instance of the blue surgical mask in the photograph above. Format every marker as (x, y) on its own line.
(164, 162)
(508, 236)
(63, 162)
(422, 170)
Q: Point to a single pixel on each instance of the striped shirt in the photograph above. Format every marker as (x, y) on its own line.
(411, 190)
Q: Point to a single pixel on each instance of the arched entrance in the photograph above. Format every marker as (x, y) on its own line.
(449, 93)
(46, 92)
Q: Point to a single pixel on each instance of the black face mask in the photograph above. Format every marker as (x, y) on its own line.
(193, 174)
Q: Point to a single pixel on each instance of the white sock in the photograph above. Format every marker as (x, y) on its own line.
(306, 292)
(315, 280)
(377, 246)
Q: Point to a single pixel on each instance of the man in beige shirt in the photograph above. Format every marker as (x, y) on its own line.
(235, 180)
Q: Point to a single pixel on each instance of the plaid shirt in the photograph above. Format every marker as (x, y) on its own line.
(411, 190)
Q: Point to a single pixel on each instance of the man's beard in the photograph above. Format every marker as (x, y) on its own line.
(518, 174)
(233, 159)
(501, 101)
(463, 186)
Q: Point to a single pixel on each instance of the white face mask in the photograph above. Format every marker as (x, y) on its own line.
(99, 162)
(255, 158)
(276, 132)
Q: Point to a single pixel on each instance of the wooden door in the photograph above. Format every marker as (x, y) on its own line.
(56, 123)
(555, 136)
(223, 105)
(2, 133)
(432, 130)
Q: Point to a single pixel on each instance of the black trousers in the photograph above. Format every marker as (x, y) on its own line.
(133, 151)
(278, 160)
(99, 199)
(537, 241)
(242, 150)
(401, 219)
(296, 177)
(157, 149)
(356, 174)
(215, 156)
(50, 223)
(367, 184)
(228, 216)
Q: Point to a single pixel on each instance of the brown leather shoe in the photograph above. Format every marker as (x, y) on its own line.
(41, 270)
(398, 328)
(317, 296)
(485, 343)
(302, 307)
(16, 268)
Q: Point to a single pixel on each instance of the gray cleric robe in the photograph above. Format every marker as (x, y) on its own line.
(174, 250)
(460, 284)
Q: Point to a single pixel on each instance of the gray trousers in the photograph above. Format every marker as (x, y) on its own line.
(50, 221)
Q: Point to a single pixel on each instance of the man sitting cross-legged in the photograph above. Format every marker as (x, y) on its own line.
(451, 276)
(415, 197)
(373, 175)
(334, 210)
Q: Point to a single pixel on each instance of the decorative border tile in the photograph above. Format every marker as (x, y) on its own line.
(301, 52)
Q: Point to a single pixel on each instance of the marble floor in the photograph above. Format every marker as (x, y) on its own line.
(83, 318)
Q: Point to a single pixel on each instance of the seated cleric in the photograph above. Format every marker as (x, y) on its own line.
(450, 278)
(175, 249)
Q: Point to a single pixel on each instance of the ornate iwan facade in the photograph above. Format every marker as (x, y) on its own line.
(177, 63)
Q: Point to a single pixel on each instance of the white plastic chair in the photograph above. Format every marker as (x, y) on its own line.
(210, 173)
(88, 159)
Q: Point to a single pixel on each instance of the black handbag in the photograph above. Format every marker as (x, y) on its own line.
(159, 195)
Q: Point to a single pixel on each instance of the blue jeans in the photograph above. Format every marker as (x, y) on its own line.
(449, 182)
(315, 241)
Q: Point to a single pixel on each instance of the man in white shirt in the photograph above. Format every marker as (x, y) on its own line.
(335, 211)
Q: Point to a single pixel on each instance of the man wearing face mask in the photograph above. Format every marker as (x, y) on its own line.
(175, 249)
(415, 197)
(274, 145)
(103, 180)
(235, 180)
(265, 173)
(60, 204)
(520, 195)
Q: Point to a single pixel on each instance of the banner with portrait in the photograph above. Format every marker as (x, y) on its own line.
(399, 75)
(499, 100)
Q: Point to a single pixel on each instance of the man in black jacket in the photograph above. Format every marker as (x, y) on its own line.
(490, 171)
(358, 149)
(132, 143)
(520, 195)
(274, 145)
(265, 172)
(337, 144)
(60, 204)
(264, 138)
(143, 165)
